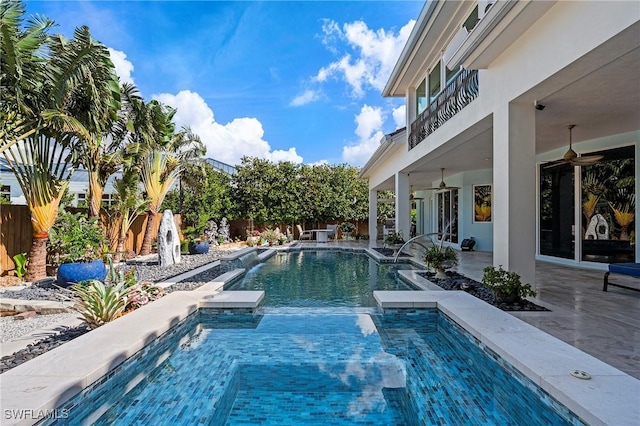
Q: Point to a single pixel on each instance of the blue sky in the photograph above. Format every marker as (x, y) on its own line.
(298, 81)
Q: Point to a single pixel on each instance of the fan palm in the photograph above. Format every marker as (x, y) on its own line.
(40, 76)
(129, 205)
(93, 98)
(166, 153)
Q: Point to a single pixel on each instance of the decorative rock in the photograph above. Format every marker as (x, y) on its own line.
(224, 230)
(25, 315)
(212, 232)
(168, 240)
(598, 228)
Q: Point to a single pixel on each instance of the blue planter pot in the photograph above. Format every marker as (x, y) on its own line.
(71, 273)
(199, 248)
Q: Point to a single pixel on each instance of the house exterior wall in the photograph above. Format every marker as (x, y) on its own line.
(565, 41)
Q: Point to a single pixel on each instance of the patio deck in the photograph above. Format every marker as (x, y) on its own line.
(605, 325)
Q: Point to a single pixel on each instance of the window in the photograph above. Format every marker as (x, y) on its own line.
(605, 231)
(5, 193)
(421, 97)
(434, 82)
(472, 20)
(609, 208)
(108, 200)
(447, 204)
(82, 200)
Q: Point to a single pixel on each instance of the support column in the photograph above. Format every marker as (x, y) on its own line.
(514, 189)
(373, 217)
(403, 208)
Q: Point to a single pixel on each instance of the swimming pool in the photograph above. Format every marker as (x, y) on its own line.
(309, 278)
(398, 368)
(319, 364)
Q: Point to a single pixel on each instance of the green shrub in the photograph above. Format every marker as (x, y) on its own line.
(75, 238)
(505, 283)
(20, 260)
(438, 257)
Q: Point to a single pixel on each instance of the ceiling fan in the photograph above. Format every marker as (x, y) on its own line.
(571, 157)
(443, 186)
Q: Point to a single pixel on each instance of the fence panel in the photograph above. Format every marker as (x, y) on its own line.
(15, 234)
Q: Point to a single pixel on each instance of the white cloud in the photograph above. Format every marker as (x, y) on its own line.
(305, 98)
(400, 116)
(369, 131)
(124, 67)
(228, 142)
(375, 54)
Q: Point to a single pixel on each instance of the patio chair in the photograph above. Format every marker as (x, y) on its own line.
(304, 235)
(332, 231)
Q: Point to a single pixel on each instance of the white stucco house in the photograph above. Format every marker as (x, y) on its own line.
(79, 183)
(491, 88)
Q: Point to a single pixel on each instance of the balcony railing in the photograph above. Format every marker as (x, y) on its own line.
(455, 96)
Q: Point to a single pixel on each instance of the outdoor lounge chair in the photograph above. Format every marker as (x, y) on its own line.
(304, 235)
(630, 269)
(332, 231)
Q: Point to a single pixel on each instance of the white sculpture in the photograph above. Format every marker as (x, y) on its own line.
(168, 240)
(598, 228)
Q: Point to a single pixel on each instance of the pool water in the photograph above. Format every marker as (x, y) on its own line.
(358, 368)
(321, 278)
(319, 353)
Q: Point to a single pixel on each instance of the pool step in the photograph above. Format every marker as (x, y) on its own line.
(233, 299)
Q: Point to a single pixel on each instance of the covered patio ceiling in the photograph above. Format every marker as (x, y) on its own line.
(599, 93)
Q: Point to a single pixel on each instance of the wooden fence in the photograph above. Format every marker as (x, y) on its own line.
(16, 232)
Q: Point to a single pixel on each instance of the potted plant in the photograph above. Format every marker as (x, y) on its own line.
(394, 239)
(77, 245)
(347, 228)
(507, 286)
(440, 259)
(198, 242)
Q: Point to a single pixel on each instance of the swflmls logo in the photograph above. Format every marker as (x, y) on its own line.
(36, 414)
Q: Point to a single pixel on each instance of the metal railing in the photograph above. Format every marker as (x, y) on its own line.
(456, 95)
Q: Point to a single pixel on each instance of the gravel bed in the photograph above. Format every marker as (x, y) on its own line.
(40, 347)
(11, 329)
(455, 281)
(146, 270)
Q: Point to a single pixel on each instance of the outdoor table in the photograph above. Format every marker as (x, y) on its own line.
(321, 235)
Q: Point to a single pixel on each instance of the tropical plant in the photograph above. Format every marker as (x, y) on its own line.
(393, 238)
(272, 236)
(128, 206)
(142, 294)
(439, 258)
(76, 238)
(507, 286)
(347, 227)
(20, 260)
(40, 76)
(624, 213)
(94, 102)
(165, 156)
(101, 303)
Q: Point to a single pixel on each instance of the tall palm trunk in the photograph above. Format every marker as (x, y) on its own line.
(146, 242)
(95, 194)
(37, 259)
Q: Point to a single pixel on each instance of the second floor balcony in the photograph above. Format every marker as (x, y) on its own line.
(456, 95)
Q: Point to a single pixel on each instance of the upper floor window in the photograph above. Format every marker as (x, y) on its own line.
(5, 192)
(472, 20)
(421, 97)
(434, 81)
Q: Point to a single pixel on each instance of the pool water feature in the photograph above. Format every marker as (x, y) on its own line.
(309, 278)
(360, 368)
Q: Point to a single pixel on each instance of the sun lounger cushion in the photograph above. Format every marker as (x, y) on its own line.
(632, 269)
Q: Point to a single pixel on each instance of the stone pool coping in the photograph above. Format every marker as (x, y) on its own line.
(39, 386)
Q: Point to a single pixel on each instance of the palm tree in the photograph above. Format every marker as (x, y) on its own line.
(166, 153)
(39, 75)
(94, 100)
(129, 205)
